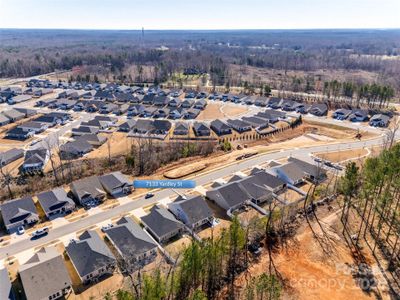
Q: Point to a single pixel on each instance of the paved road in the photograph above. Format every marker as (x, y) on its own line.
(86, 222)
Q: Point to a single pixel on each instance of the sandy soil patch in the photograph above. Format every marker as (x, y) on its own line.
(233, 110)
(212, 111)
(185, 170)
(290, 196)
(176, 247)
(117, 142)
(339, 156)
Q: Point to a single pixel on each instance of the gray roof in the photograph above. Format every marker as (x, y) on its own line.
(113, 180)
(88, 186)
(92, 138)
(161, 221)
(11, 155)
(219, 125)
(89, 253)
(195, 208)
(382, 117)
(268, 179)
(232, 193)
(35, 156)
(44, 274)
(79, 145)
(85, 129)
(17, 210)
(6, 291)
(128, 124)
(13, 114)
(307, 168)
(130, 238)
(4, 119)
(292, 170)
(54, 199)
(200, 126)
(255, 187)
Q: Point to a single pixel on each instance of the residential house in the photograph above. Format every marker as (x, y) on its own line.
(35, 160)
(160, 100)
(220, 128)
(91, 257)
(193, 212)
(181, 128)
(274, 183)
(272, 116)
(161, 224)
(201, 129)
(121, 109)
(4, 120)
(302, 108)
(101, 125)
(109, 119)
(177, 113)
(148, 99)
(290, 173)
(274, 103)
(124, 97)
(358, 115)
(82, 130)
(200, 104)
(116, 184)
(55, 202)
(18, 99)
(148, 112)
(95, 140)
(45, 276)
(311, 171)
(229, 196)
(34, 127)
(341, 114)
(161, 113)
(174, 102)
(104, 95)
(143, 126)
(14, 115)
(18, 212)
(161, 127)
(239, 125)
(191, 113)
(379, 120)
(255, 188)
(19, 133)
(26, 111)
(256, 122)
(75, 149)
(135, 110)
(261, 101)
(88, 189)
(127, 126)
(108, 108)
(187, 103)
(10, 156)
(6, 290)
(133, 244)
(288, 105)
(318, 109)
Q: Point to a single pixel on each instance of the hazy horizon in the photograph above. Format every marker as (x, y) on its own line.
(199, 15)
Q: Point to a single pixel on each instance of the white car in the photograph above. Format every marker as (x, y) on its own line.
(21, 230)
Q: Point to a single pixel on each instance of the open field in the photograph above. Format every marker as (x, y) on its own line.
(340, 156)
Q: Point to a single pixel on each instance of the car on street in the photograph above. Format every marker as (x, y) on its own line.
(21, 230)
(149, 195)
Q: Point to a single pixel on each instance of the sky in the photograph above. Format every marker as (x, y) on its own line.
(199, 14)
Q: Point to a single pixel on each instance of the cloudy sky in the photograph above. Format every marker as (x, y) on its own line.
(199, 14)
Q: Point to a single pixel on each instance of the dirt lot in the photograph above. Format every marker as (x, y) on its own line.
(343, 155)
(308, 272)
(117, 142)
(221, 110)
(176, 247)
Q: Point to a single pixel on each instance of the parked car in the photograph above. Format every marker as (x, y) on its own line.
(21, 230)
(106, 227)
(149, 195)
(40, 233)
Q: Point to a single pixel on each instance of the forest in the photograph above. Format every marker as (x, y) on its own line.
(300, 60)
